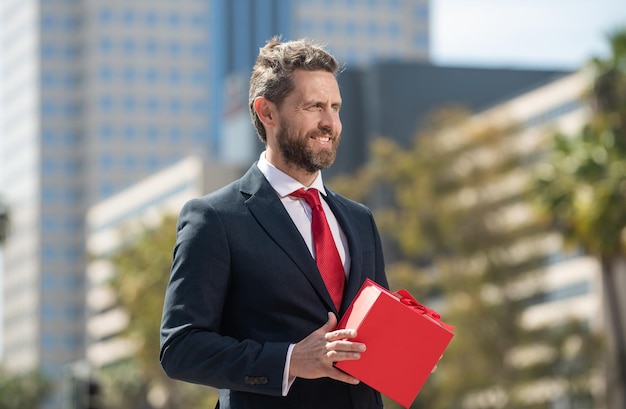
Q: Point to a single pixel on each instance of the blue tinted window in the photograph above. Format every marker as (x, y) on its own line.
(199, 135)
(106, 103)
(47, 21)
(395, 30)
(48, 137)
(152, 105)
(105, 16)
(130, 132)
(199, 106)
(129, 103)
(106, 189)
(106, 161)
(151, 18)
(130, 162)
(105, 73)
(153, 133)
(421, 12)
(129, 74)
(152, 47)
(153, 163)
(48, 165)
(152, 75)
(174, 76)
(128, 17)
(198, 49)
(106, 132)
(372, 29)
(175, 134)
(329, 27)
(105, 45)
(175, 48)
(351, 28)
(175, 106)
(129, 46)
(199, 20)
(174, 19)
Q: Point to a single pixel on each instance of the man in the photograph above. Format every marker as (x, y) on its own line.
(247, 309)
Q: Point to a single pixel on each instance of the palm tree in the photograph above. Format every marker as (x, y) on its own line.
(582, 184)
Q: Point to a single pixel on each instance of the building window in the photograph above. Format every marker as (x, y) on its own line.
(105, 16)
(105, 73)
(129, 103)
(128, 17)
(174, 76)
(130, 162)
(373, 29)
(129, 46)
(153, 133)
(152, 105)
(151, 18)
(174, 19)
(106, 132)
(105, 45)
(106, 161)
(152, 47)
(106, 189)
(175, 134)
(105, 103)
(421, 12)
(129, 74)
(130, 132)
(152, 75)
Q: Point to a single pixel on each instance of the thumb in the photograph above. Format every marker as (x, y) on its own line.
(331, 324)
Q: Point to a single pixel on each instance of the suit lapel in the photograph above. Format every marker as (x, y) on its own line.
(267, 209)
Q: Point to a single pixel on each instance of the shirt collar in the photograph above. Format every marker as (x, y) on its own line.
(284, 184)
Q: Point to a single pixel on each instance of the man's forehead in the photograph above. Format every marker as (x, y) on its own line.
(316, 83)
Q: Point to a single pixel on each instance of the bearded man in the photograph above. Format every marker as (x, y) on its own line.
(264, 267)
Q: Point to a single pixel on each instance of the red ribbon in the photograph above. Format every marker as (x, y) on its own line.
(407, 299)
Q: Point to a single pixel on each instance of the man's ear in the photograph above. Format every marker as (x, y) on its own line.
(265, 109)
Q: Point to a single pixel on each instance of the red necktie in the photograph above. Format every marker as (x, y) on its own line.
(326, 254)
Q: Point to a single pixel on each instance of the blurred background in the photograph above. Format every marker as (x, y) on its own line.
(487, 136)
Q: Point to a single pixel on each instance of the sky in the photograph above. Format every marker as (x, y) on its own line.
(522, 33)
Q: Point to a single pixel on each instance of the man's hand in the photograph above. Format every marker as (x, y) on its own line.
(313, 357)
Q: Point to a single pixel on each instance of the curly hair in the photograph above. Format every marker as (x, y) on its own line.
(272, 74)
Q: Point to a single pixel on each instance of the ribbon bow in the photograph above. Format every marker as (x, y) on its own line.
(407, 299)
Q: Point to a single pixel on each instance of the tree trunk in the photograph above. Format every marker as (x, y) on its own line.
(614, 283)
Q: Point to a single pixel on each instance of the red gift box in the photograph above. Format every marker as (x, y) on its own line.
(404, 341)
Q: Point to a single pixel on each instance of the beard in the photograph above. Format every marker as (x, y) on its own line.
(296, 151)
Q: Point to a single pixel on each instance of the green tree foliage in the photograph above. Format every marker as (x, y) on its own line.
(23, 391)
(581, 185)
(443, 206)
(142, 268)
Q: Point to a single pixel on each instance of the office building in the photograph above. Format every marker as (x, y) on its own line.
(99, 95)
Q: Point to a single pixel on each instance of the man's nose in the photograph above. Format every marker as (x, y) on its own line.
(329, 120)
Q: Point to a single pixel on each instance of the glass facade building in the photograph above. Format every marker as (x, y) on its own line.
(98, 95)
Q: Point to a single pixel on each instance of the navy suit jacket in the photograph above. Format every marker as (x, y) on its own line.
(244, 286)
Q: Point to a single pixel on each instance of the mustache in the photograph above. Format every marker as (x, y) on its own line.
(323, 132)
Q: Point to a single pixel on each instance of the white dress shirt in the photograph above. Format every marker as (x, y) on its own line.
(300, 213)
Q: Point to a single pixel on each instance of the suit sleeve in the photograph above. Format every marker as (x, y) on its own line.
(192, 348)
(380, 275)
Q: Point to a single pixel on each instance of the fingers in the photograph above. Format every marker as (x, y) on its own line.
(331, 334)
(315, 355)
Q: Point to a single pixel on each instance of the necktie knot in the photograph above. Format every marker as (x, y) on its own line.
(311, 196)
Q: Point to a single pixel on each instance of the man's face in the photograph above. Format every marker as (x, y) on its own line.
(309, 129)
